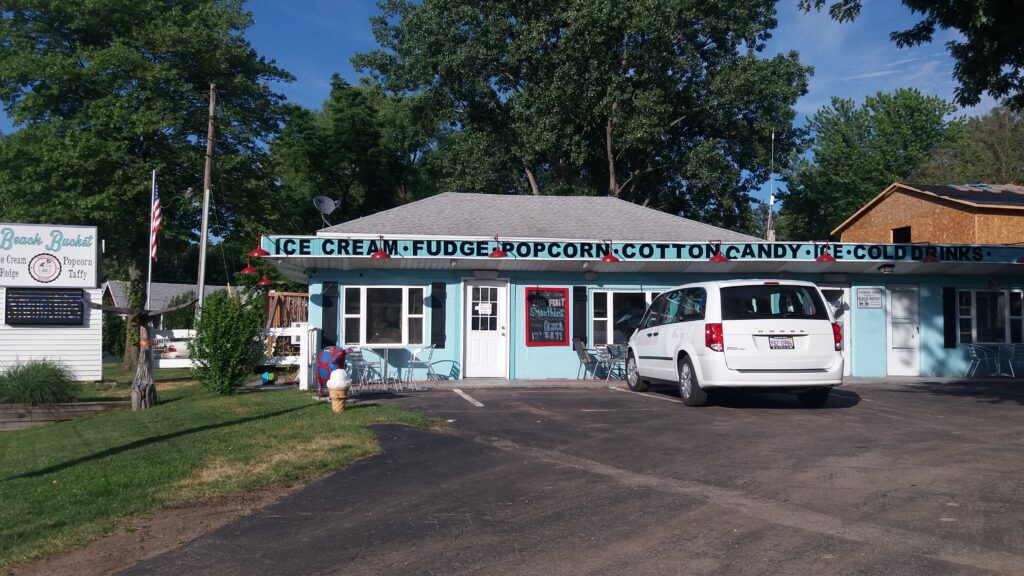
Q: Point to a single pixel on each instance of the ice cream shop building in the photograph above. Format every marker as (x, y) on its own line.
(502, 285)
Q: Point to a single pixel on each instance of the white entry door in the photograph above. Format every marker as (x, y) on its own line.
(904, 332)
(486, 329)
(838, 299)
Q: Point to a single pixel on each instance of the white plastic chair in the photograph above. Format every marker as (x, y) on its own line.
(420, 358)
(980, 355)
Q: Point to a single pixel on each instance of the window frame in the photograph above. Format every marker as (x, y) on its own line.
(649, 297)
(1007, 313)
(361, 315)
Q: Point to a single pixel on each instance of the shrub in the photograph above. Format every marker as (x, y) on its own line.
(183, 319)
(37, 382)
(227, 346)
(113, 335)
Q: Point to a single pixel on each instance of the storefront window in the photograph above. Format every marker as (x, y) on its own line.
(615, 315)
(990, 316)
(383, 315)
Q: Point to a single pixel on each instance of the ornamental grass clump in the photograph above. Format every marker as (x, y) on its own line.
(37, 382)
(227, 347)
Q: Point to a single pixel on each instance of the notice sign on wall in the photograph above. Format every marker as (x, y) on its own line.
(547, 316)
(43, 307)
(48, 256)
(869, 297)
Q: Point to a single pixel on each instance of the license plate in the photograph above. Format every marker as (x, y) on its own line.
(781, 343)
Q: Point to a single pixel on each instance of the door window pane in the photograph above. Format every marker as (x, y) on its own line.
(384, 315)
(416, 330)
(351, 331)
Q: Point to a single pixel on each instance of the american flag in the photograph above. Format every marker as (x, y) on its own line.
(154, 221)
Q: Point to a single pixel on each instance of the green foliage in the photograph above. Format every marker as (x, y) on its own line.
(364, 149)
(987, 54)
(990, 149)
(113, 335)
(37, 382)
(66, 484)
(101, 93)
(665, 103)
(857, 153)
(183, 319)
(227, 346)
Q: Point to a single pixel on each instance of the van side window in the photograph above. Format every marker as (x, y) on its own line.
(656, 313)
(694, 302)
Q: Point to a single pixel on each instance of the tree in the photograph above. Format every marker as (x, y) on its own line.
(101, 93)
(661, 103)
(988, 58)
(990, 150)
(363, 148)
(856, 153)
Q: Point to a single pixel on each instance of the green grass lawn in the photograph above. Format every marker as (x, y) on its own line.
(64, 484)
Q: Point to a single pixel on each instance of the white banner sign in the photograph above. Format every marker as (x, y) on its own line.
(48, 256)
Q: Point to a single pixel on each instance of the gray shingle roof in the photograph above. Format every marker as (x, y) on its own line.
(982, 194)
(554, 217)
(163, 293)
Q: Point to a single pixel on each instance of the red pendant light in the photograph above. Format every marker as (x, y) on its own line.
(826, 256)
(930, 259)
(609, 258)
(249, 269)
(1020, 260)
(718, 256)
(264, 282)
(258, 251)
(381, 253)
(497, 252)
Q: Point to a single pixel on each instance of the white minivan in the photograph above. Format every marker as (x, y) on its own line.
(770, 335)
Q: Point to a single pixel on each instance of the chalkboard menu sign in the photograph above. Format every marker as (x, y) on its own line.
(44, 307)
(547, 316)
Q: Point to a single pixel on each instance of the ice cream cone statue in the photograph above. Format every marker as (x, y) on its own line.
(338, 385)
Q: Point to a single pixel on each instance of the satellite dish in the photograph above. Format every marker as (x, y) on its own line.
(324, 204)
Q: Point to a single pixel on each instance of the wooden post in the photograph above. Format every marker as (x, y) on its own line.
(207, 178)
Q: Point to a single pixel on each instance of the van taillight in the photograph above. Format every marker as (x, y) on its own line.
(713, 337)
(837, 335)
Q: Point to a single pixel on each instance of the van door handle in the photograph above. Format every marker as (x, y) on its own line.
(655, 334)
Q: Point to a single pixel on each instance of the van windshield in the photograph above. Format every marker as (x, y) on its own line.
(770, 301)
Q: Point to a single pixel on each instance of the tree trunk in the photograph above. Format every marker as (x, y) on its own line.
(136, 296)
(534, 187)
(143, 387)
(609, 133)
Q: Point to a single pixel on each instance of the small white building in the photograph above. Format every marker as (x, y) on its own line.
(45, 272)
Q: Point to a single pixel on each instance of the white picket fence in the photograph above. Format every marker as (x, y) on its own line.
(170, 349)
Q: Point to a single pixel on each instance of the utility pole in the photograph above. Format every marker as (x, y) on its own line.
(206, 199)
(769, 234)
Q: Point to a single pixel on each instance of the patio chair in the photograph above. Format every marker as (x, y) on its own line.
(1016, 358)
(591, 360)
(420, 358)
(360, 371)
(980, 355)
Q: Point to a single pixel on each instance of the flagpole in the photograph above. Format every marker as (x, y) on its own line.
(149, 275)
(769, 234)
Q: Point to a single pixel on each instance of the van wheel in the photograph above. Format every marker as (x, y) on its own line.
(633, 380)
(814, 398)
(689, 389)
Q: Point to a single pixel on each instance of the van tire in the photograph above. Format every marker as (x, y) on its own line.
(633, 380)
(689, 389)
(815, 398)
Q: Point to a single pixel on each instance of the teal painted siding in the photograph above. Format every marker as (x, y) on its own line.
(869, 340)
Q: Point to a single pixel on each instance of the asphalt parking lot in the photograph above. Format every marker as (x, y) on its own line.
(889, 478)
